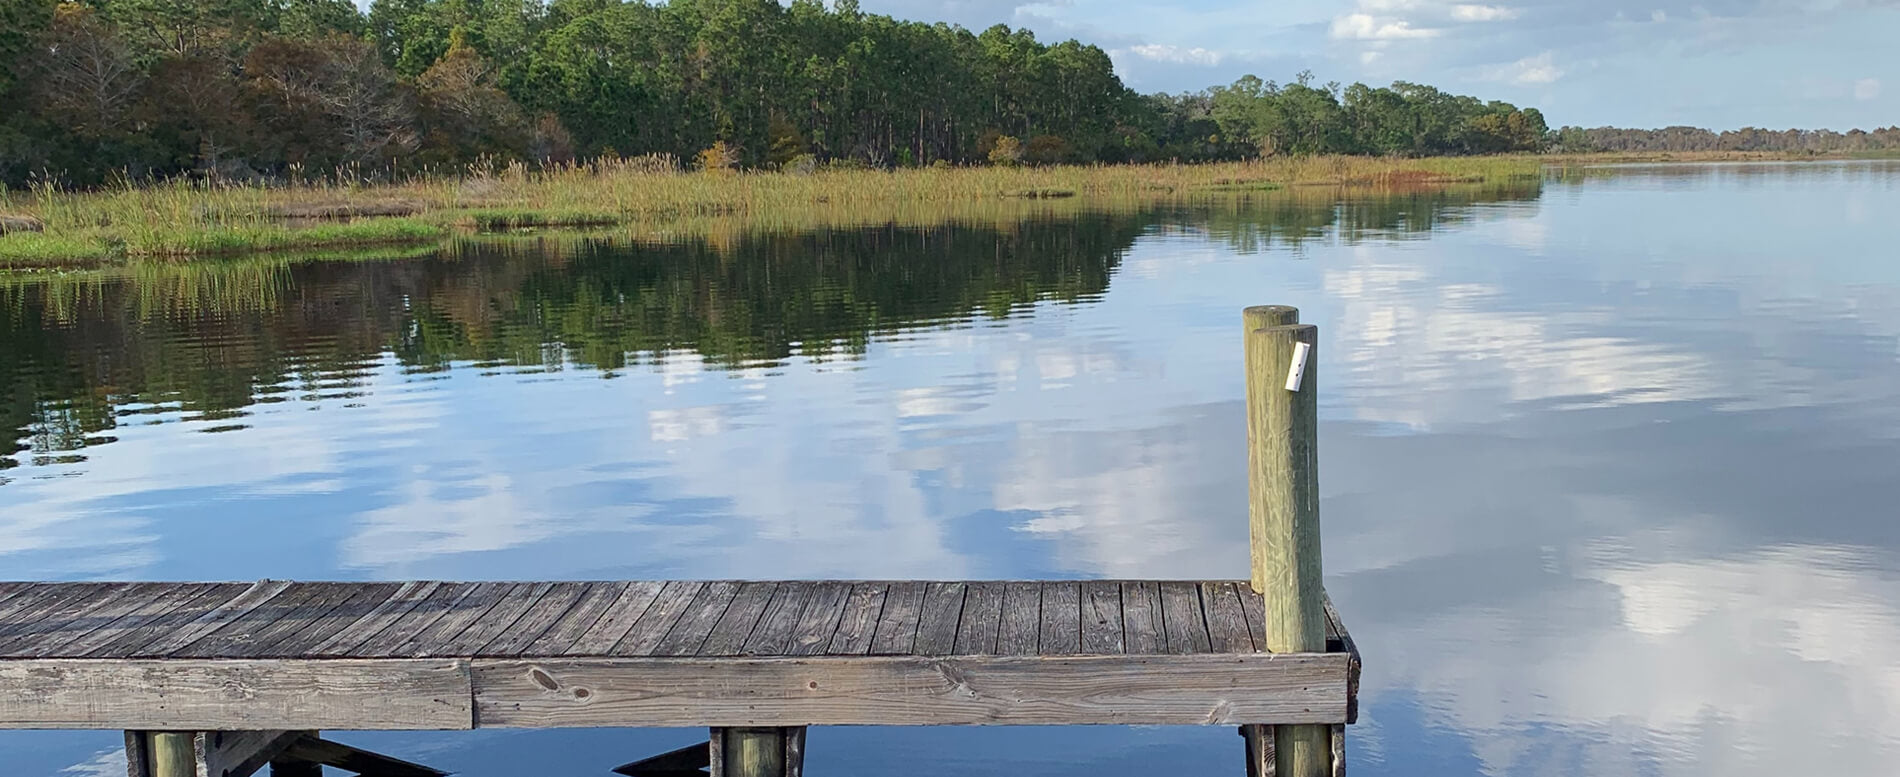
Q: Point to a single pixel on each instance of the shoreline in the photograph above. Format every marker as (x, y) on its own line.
(191, 221)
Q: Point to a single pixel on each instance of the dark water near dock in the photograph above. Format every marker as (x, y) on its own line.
(1610, 466)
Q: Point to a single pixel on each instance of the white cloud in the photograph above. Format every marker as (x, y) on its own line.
(1361, 26)
(1866, 89)
(1540, 69)
(1659, 16)
(1176, 54)
(1482, 13)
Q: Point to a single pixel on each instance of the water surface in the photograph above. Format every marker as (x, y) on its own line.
(1609, 464)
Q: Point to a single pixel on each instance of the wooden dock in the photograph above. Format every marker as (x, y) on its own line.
(222, 679)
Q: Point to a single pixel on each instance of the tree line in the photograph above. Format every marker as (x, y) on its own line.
(97, 89)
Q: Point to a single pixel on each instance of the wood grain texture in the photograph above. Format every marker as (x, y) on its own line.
(982, 619)
(1283, 487)
(1226, 625)
(214, 694)
(1254, 607)
(697, 622)
(497, 620)
(1182, 618)
(653, 625)
(1060, 633)
(897, 625)
(857, 626)
(728, 638)
(100, 615)
(436, 620)
(586, 612)
(210, 621)
(1020, 626)
(296, 638)
(269, 622)
(1102, 618)
(54, 610)
(912, 690)
(348, 636)
(820, 620)
(937, 627)
(149, 623)
(540, 616)
(1351, 649)
(773, 636)
(1143, 631)
(617, 621)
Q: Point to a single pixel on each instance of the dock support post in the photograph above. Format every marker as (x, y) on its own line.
(173, 753)
(1283, 507)
(777, 751)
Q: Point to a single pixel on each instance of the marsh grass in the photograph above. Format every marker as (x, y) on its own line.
(194, 219)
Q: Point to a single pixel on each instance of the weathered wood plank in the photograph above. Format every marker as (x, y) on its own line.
(897, 625)
(335, 597)
(101, 614)
(370, 626)
(587, 611)
(773, 635)
(1061, 630)
(675, 596)
(913, 690)
(697, 623)
(742, 616)
(937, 628)
(494, 622)
(54, 609)
(362, 599)
(1254, 606)
(982, 618)
(243, 634)
(1143, 632)
(1102, 618)
(1020, 628)
(10, 589)
(160, 616)
(444, 614)
(541, 616)
(259, 593)
(619, 619)
(1351, 649)
(218, 694)
(820, 619)
(1226, 624)
(1181, 615)
(858, 625)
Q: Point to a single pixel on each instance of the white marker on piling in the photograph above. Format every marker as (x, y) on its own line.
(1297, 371)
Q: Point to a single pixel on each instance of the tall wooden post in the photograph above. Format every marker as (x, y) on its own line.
(172, 753)
(1259, 317)
(1283, 507)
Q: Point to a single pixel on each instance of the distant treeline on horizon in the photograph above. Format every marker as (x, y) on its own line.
(93, 90)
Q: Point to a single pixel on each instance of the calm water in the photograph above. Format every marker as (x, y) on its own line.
(1610, 466)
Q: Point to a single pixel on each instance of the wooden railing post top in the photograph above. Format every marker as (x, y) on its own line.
(1258, 316)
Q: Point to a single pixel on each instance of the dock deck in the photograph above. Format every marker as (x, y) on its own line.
(218, 679)
(449, 655)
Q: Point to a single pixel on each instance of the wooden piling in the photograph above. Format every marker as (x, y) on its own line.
(1283, 509)
(173, 753)
(777, 751)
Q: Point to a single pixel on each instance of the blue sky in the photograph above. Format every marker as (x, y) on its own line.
(1715, 63)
